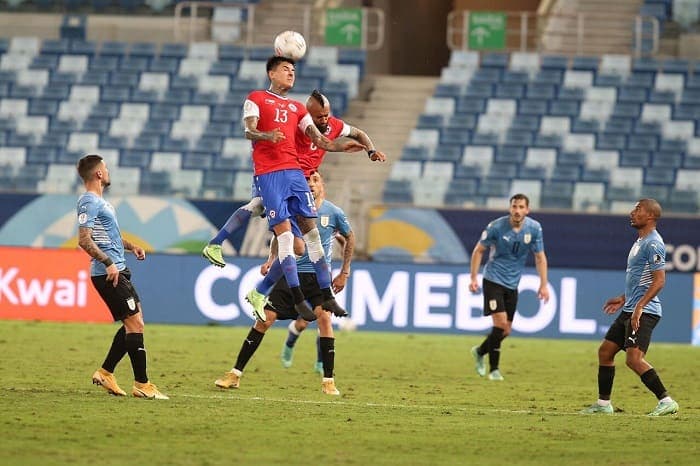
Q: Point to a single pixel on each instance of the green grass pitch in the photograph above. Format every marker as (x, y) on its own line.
(407, 399)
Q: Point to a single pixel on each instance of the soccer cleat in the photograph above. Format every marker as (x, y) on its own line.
(328, 387)
(286, 356)
(318, 367)
(598, 409)
(147, 390)
(212, 253)
(495, 375)
(305, 312)
(333, 306)
(665, 408)
(479, 361)
(258, 301)
(229, 380)
(107, 381)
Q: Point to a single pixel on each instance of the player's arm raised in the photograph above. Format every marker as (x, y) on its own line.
(337, 145)
(254, 134)
(364, 139)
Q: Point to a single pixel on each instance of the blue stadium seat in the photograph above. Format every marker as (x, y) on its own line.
(42, 107)
(548, 141)
(630, 94)
(571, 93)
(455, 136)
(204, 98)
(485, 139)
(610, 141)
(124, 78)
(646, 64)
(164, 65)
(662, 176)
(174, 50)
(532, 107)
(219, 180)
(41, 154)
(95, 125)
(197, 160)
(62, 126)
(447, 90)
(509, 90)
(448, 153)
(515, 77)
(577, 159)
(104, 63)
(531, 173)
(174, 145)
(465, 121)
(635, 158)
(230, 68)
(673, 145)
(347, 56)
(495, 60)
(548, 76)
(226, 113)
(597, 175)
(176, 97)
(55, 46)
(568, 108)
(526, 122)
(470, 105)
(461, 190)
(510, 154)
(44, 62)
(667, 159)
(647, 127)
(675, 65)
(683, 201)
(621, 193)
(519, 138)
(643, 142)
(95, 78)
(154, 183)
(135, 158)
(556, 62)
(164, 111)
(608, 80)
(80, 47)
(662, 97)
(146, 142)
(566, 172)
(640, 79)
(156, 127)
(260, 53)
(105, 110)
(627, 110)
(65, 79)
(113, 142)
(231, 52)
(584, 63)
(209, 144)
(4, 89)
(486, 76)
(144, 97)
(430, 121)
(134, 64)
(479, 90)
(398, 192)
(557, 195)
(541, 91)
(585, 126)
(494, 187)
(415, 153)
(115, 94)
(684, 111)
(691, 161)
(113, 48)
(143, 49)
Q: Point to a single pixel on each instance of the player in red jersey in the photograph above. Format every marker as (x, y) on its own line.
(271, 121)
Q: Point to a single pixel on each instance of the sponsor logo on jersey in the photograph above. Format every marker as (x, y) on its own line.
(292, 107)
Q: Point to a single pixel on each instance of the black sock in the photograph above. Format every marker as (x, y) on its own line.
(116, 351)
(250, 344)
(328, 355)
(496, 338)
(137, 354)
(606, 375)
(651, 379)
(298, 295)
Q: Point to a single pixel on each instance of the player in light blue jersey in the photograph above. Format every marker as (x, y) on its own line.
(641, 311)
(100, 237)
(509, 239)
(331, 219)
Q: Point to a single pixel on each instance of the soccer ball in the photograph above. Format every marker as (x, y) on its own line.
(290, 44)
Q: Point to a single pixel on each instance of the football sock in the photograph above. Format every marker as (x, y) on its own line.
(292, 335)
(495, 347)
(317, 258)
(116, 351)
(327, 346)
(651, 379)
(319, 352)
(285, 255)
(606, 375)
(137, 354)
(250, 344)
(239, 218)
(268, 282)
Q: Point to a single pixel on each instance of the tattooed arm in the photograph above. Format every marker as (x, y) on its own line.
(88, 245)
(337, 145)
(254, 134)
(363, 138)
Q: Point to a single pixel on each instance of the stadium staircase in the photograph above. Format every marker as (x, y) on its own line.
(608, 26)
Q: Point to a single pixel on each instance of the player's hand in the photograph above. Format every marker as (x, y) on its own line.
(634, 320)
(612, 305)
(265, 268)
(276, 135)
(543, 293)
(474, 286)
(378, 156)
(139, 253)
(113, 275)
(339, 282)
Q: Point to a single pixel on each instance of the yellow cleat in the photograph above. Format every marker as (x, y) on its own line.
(147, 390)
(107, 381)
(229, 380)
(328, 387)
(212, 253)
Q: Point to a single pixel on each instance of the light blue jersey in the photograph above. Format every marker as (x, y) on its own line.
(647, 255)
(331, 219)
(96, 213)
(509, 249)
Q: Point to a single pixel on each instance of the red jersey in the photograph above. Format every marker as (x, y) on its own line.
(311, 156)
(275, 111)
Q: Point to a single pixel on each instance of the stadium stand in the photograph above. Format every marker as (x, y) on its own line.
(585, 132)
(168, 117)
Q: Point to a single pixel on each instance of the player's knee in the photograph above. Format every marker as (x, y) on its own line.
(299, 246)
(255, 206)
(301, 325)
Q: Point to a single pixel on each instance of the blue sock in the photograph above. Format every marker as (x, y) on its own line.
(323, 273)
(268, 282)
(239, 218)
(289, 268)
(291, 339)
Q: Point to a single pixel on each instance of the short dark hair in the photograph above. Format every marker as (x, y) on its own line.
(87, 164)
(275, 60)
(520, 197)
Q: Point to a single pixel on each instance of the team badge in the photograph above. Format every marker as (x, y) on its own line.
(292, 107)
(131, 303)
(272, 214)
(527, 238)
(82, 218)
(325, 220)
(493, 304)
(269, 101)
(657, 258)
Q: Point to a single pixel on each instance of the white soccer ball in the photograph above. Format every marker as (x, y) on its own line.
(290, 44)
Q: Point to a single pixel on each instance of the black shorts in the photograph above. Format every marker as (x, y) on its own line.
(282, 300)
(620, 332)
(121, 300)
(498, 298)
